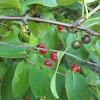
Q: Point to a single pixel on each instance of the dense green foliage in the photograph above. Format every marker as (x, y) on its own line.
(23, 73)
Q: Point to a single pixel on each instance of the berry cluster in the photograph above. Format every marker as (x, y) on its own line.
(76, 44)
(53, 55)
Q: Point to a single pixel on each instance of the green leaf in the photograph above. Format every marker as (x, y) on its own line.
(24, 36)
(33, 41)
(49, 16)
(3, 69)
(97, 46)
(7, 12)
(98, 93)
(30, 95)
(53, 86)
(24, 9)
(34, 58)
(40, 77)
(6, 86)
(92, 77)
(91, 48)
(93, 93)
(20, 83)
(38, 29)
(67, 2)
(49, 3)
(76, 87)
(53, 80)
(12, 51)
(9, 4)
(60, 84)
(93, 23)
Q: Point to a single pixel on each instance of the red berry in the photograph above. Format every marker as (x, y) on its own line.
(75, 68)
(53, 56)
(43, 51)
(60, 27)
(14, 59)
(0, 38)
(28, 99)
(40, 45)
(48, 63)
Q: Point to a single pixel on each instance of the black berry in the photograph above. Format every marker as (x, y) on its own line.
(86, 39)
(38, 15)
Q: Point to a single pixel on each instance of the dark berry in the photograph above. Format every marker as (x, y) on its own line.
(75, 68)
(14, 59)
(39, 15)
(60, 28)
(53, 56)
(43, 51)
(48, 63)
(76, 44)
(40, 45)
(86, 39)
(28, 99)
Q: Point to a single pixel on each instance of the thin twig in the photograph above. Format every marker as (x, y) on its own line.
(94, 10)
(41, 57)
(60, 74)
(91, 85)
(34, 64)
(79, 22)
(28, 61)
(87, 7)
(30, 47)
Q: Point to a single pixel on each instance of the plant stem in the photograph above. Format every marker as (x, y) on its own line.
(30, 47)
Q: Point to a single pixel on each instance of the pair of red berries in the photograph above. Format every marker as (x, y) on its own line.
(75, 68)
(53, 55)
(41, 45)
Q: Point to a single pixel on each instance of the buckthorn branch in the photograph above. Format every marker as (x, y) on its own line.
(36, 48)
(67, 25)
